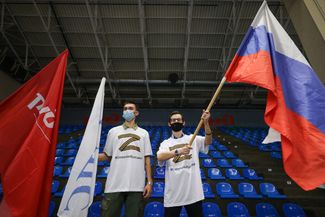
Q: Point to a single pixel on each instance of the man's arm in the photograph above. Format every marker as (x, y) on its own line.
(103, 157)
(148, 188)
(207, 129)
(166, 155)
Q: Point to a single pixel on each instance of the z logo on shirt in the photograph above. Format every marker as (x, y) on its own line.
(182, 157)
(126, 145)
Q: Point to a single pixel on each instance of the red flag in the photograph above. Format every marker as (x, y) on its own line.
(29, 121)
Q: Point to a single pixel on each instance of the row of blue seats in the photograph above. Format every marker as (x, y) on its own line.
(223, 163)
(58, 172)
(274, 149)
(254, 137)
(154, 134)
(70, 128)
(234, 209)
(223, 190)
(69, 152)
(213, 174)
(55, 188)
(207, 161)
(275, 146)
(70, 160)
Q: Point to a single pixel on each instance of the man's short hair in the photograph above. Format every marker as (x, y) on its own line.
(175, 113)
(131, 102)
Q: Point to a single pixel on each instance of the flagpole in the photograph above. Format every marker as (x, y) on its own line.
(216, 94)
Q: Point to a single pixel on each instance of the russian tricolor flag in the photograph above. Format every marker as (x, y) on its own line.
(295, 106)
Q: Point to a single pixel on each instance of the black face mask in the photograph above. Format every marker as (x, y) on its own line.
(177, 126)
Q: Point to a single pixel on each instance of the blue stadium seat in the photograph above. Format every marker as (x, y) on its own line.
(59, 193)
(60, 145)
(215, 173)
(266, 209)
(224, 163)
(58, 160)
(59, 152)
(276, 146)
(102, 141)
(229, 154)
(265, 148)
(216, 154)
(236, 209)
(207, 190)
(183, 213)
(55, 186)
(158, 189)
(293, 210)
(251, 174)
(51, 208)
(159, 173)
(71, 145)
(247, 190)
(154, 209)
(208, 162)
(232, 173)
(57, 171)
(203, 155)
(69, 161)
(98, 188)
(212, 148)
(211, 210)
(202, 174)
(103, 173)
(221, 147)
(269, 190)
(104, 163)
(225, 190)
(277, 155)
(70, 153)
(94, 210)
(238, 163)
(67, 173)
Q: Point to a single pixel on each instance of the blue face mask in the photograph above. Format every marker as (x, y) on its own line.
(128, 115)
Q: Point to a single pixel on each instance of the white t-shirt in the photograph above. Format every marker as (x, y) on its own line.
(127, 147)
(183, 184)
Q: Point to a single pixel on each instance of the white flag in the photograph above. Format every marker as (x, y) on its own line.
(79, 191)
(272, 136)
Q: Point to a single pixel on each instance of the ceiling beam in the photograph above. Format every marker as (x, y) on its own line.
(144, 46)
(235, 30)
(104, 58)
(187, 48)
(47, 30)
(27, 44)
(158, 82)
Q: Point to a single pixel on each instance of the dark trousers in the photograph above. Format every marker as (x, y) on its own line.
(113, 202)
(193, 210)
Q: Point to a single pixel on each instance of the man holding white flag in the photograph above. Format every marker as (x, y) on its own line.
(128, 149)
(79, 191)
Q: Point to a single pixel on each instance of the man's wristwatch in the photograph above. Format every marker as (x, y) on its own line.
(176, 152)
(149, 183)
